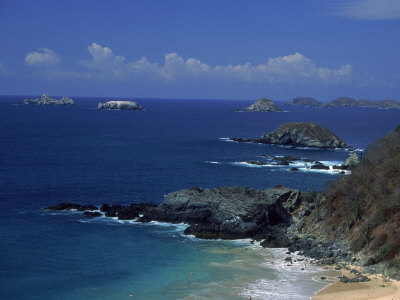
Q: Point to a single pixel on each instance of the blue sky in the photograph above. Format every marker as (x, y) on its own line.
(220, 49)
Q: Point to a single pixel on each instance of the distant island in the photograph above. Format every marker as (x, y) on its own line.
(300, 134)
(344, 101)
(47, 100)
(120, 105)
(305, 101)
(261, 105)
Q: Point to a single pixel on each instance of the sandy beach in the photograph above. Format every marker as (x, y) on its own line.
(378, 288)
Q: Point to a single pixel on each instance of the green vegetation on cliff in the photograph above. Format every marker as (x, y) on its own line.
(364, 207)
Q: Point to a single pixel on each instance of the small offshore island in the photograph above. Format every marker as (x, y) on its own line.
(300, 134)
(261, 105)
(47, 100)
(120, 105)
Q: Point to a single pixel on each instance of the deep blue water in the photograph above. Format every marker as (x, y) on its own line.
(80, 154)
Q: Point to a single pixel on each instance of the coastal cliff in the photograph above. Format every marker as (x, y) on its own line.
(47, 100)
(120, 105)
(363, 209)
(262, 105)
(300, 134)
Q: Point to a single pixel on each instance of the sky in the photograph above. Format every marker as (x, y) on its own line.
(201, 49)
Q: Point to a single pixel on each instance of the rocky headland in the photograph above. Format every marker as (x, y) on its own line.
(120, 105)
(47, 100)
(262, 105)
(300, 134)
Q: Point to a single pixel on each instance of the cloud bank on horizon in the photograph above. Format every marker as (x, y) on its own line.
(369, 9)
(104, 64)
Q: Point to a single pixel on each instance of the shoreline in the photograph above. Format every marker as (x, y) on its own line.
(378, 287)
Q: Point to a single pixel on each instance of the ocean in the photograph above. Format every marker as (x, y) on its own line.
(54, 154)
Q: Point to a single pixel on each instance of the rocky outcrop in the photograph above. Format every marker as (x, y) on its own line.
(262, 105)
(300, 134)
(47, 100)
(226, 213)
(121, 105)
(305, 101)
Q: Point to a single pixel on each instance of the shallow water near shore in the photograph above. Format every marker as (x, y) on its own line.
(79, 154)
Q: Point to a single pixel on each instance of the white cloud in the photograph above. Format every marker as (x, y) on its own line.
(295, 68)
(4, 72)
(370, 9)
(46, 57)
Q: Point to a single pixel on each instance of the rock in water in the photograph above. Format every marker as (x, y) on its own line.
(227, 213)
(47, 100)
(303, 134)
(262, 105)
(121, 105)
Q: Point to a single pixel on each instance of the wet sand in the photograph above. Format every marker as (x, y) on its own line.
(377, 288)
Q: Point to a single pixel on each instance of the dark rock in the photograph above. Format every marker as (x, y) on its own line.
(127, 212)
(282, 163)
(319, 166)
(323, 278)
(344, 279)
(293, 169)
(226, 213)
(303, 134)
(256, 162)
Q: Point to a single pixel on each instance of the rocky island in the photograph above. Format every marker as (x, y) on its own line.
(262, 105)
(300, 134)
(120, 105)
(347, 101)
(305, 101)
(47, 100)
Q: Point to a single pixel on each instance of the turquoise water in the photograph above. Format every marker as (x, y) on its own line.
(79, 154)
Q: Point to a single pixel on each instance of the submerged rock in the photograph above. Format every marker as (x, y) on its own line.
(47, 100)
(263, 105)
(121, 105)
